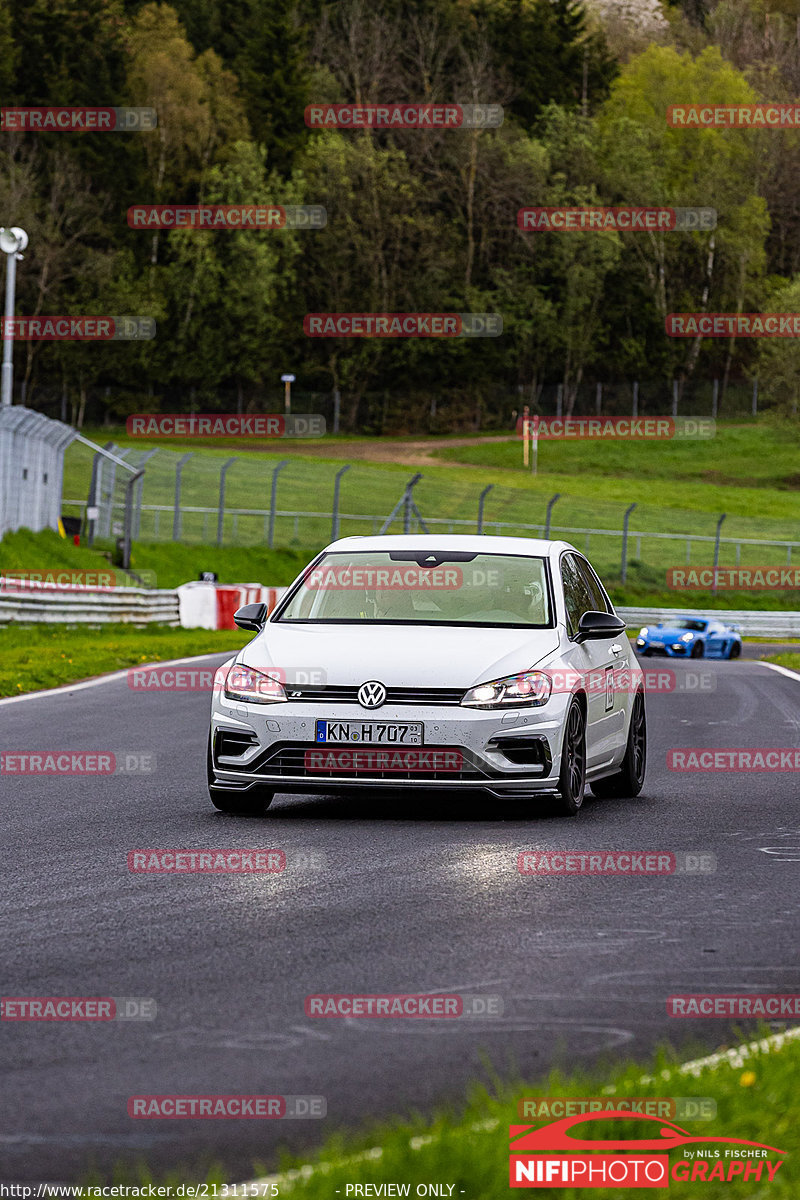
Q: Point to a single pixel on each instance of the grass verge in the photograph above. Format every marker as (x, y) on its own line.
(34, 657)
(753, 1085)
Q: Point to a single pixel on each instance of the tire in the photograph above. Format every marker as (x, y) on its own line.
(572, 776)
(735, 650)
(647, 654)
(252, 803)
(697, 650)
(629, 780)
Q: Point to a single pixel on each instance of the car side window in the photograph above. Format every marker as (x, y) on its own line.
(599, 603)
(577, 596)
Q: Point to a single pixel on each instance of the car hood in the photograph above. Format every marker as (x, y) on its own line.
(398, 655)
(668, 633)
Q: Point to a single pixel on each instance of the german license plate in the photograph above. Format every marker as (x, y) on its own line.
(370, 733)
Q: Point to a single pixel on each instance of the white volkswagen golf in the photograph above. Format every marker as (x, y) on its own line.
(470, 664)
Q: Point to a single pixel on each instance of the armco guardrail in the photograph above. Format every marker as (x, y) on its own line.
(751, 623)
(138, 606)
(82, 606)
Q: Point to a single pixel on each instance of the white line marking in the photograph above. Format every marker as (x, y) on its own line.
(781, 670)
(88, 683)
(733, 1057)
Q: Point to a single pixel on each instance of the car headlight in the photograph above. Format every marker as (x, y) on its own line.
(644, 632)
(528, 688)
(687, 637)
(243, 683)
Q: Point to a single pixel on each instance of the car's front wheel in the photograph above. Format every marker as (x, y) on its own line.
(697, 650)
(252, 803)
(629, 780)
(572, 776)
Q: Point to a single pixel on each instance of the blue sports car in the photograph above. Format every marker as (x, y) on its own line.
(690, 637)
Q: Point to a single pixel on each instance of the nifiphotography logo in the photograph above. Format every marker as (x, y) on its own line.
(553, 1156)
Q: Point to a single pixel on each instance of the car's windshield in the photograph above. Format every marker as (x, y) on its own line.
(423, 587)
(697, 626)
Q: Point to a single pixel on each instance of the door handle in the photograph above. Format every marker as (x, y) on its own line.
(616, 648)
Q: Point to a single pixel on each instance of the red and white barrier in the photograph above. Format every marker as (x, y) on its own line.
(212, 605)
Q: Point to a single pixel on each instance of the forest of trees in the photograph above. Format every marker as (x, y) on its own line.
(418, 221)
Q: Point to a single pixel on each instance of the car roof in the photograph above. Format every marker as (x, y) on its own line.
(471, 542)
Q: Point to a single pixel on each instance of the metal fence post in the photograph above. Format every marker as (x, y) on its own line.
(559, 399)
(550, 504)
(406, 502)
(674, 397)
(221, 508)
(274, 491)
(598, 399)
(716, 551)
(481, 502)
(755, 397)
(337, 483)
(624, 564)
(128, 526)
(137, 504)
(715, 398)
(337, 400)
(635, 409)
(176, 514)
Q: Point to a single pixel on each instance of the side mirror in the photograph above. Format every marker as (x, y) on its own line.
(252, 616)
(599, 625)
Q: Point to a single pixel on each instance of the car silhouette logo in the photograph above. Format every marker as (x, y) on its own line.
(372, 694)
(556, 1136)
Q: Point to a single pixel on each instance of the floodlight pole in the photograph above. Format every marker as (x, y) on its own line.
(12, 242)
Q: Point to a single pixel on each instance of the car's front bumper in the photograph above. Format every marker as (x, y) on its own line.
(273, 745)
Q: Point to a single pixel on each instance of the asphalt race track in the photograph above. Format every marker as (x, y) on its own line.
(406, 895)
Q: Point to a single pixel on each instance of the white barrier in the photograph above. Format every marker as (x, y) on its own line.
(84, 606)
(212, 605)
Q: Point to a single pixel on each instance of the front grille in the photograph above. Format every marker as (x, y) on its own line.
(333, 694)
(289, 760)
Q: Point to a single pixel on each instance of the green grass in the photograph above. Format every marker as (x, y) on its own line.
(33, 657)
(758, 1101)
(790, 660)
(756, 1098)
(172, 563)
(750, 472)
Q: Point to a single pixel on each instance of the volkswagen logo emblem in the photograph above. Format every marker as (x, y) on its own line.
(372, 694)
